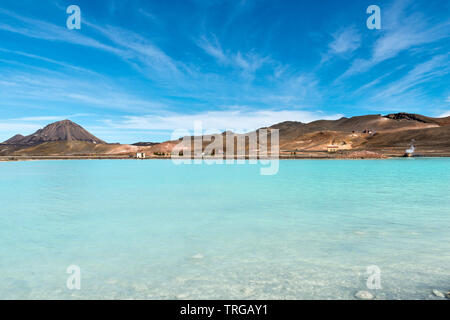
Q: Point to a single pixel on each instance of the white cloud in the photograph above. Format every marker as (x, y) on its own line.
(51, 118)
(59, 63)
(144, 56)
(423, 72)
(248, 63)
(18, 126)
(445, 114)
(34, 28)
(148, 15)
(399, 33)
(137, 49)
(238, 120)
(213, 48)
(60, 87)
(128, 46)
(345, 41)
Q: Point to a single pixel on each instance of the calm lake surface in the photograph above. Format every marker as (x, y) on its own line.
(153, 229)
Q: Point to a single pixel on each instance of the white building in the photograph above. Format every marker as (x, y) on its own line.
(332, 148)
(140, 155)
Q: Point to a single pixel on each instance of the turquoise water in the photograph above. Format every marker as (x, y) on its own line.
(154, 230)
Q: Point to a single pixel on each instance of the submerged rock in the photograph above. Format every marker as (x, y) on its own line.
(437, 293)
(364, 295)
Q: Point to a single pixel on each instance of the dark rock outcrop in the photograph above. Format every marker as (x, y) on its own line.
(14, 140)
(407, 116)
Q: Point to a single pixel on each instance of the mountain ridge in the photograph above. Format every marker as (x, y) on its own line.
(389, 135)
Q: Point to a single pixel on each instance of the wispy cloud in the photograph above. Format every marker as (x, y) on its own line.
(17, 127)
(345, 41)
(400, 32)
(140, 52)
(28, 125)
(131, 47)
(213, 48)
(67, 88)
(148, 15)
(423, 72)
(43, 30)
(248, 63)
(52, 118)
(219, 54)
(238, 119)
(52, 61)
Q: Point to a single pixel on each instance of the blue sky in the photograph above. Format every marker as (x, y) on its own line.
(138, 70)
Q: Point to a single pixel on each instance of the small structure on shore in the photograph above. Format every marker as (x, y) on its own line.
(368, 131)
(332, 148)
(140, 155)
(410, 151)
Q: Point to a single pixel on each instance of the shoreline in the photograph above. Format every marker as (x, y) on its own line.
(41, 158)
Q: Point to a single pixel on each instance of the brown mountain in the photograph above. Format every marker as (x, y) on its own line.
(63, 138)
(64, 130)
(359, 123)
